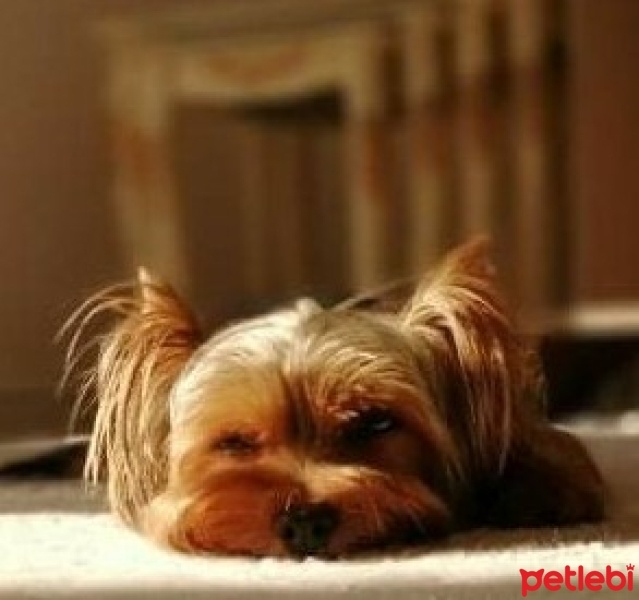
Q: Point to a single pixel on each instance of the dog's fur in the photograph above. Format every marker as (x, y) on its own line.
(327, 431)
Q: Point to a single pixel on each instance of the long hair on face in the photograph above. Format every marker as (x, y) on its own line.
(138, 361)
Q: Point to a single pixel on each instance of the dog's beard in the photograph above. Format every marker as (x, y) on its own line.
(246, 512)
(312, 431)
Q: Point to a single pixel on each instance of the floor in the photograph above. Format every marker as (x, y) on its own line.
(56, 541)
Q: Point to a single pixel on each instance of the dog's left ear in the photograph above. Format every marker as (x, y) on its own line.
(476, 364)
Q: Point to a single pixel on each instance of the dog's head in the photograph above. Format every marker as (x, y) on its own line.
(310, 430)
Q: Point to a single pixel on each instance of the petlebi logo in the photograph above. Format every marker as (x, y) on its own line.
(577, 579)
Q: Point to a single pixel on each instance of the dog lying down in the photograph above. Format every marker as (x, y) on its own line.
(328, 431)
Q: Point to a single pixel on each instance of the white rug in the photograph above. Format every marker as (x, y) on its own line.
(55, 542)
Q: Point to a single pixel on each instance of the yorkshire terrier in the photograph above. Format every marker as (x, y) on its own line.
(329, 431)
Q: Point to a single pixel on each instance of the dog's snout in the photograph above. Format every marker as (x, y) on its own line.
(306, 529)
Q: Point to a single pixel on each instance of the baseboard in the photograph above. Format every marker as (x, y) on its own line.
(593, 319)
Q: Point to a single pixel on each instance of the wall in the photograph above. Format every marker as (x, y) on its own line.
(56, 232)
(56, 238)
(605, 160)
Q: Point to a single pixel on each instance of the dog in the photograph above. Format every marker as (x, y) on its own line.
(326, 432)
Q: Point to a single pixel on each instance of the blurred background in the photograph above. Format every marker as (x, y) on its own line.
(253, 151)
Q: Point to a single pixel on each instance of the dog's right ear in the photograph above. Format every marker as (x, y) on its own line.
(138, 362)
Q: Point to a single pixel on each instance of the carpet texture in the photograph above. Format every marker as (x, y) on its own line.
(57, 542)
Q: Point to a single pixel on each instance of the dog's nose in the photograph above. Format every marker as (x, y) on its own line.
(306, 529)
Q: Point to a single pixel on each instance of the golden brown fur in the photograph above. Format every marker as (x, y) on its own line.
(326, 431)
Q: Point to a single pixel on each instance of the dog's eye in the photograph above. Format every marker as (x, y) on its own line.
(237, 444)
(369, 424)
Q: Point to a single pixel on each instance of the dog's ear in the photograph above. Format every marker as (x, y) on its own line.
(479, 368)
(138, 362)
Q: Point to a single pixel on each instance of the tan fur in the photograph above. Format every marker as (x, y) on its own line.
(138, 361)
(327, 431)
(492, 371)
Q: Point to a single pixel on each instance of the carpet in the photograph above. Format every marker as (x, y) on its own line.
(56, 541)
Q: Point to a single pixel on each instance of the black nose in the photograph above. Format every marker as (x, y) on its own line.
(306, 529)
